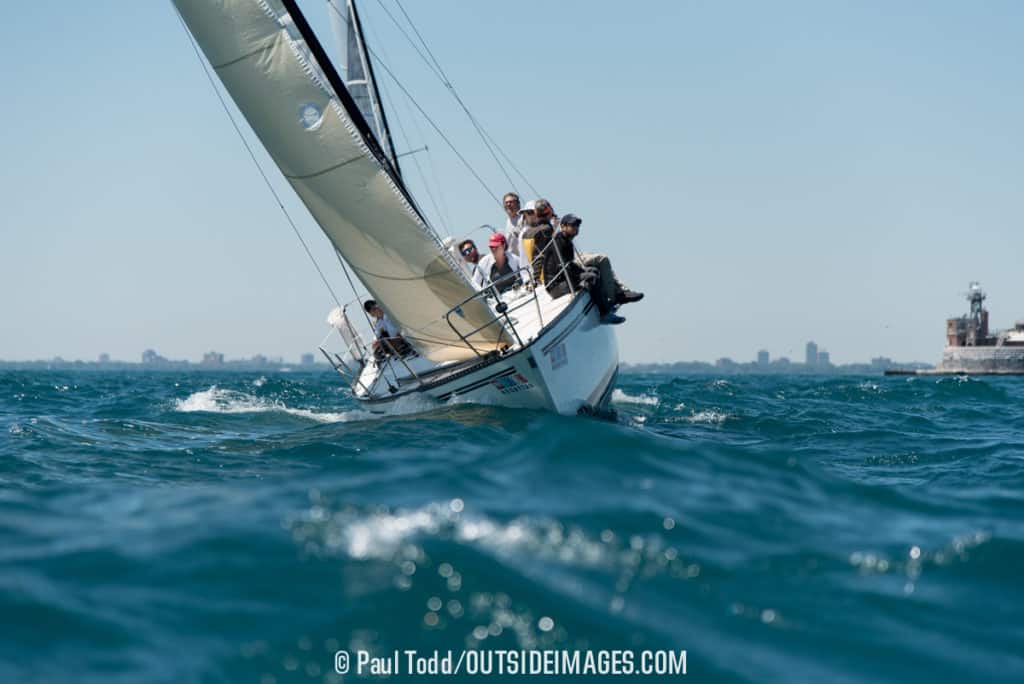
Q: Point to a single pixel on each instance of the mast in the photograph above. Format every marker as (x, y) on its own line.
(369, 82)
(347, 101)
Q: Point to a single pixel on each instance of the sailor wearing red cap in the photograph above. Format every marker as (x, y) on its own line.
(500, 268)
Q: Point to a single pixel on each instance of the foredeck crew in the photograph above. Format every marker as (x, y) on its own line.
(388, 341)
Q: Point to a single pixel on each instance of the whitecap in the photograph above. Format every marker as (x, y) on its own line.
(708, 416)
(217, 400)
(623, 398)
(392, 535)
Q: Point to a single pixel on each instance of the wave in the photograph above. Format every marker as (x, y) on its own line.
(741, 512)
(645, 399)
(217, 400)
(227, 401)
(708, 416)
(387, 535)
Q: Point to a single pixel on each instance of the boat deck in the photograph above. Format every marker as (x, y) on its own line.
(529, 314)
(529, 311)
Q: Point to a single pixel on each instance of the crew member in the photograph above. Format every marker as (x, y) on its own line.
(471, 257)
(500, 268)
(388, 341)
(537, 235)
(514, 223)
(565, 272)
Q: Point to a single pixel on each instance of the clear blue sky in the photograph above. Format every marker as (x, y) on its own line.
(767, 173)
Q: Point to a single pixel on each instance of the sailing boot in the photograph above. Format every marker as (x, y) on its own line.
(628, 296)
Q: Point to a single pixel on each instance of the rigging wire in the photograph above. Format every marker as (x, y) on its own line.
(433, 170)
(440, 73)
(443, 218)
(419, 132)
(515, 168)
(426, 116)
(252, 155)
(447, 219)
(351, 284)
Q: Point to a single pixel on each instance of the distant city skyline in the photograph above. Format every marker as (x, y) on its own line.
(815, 359)
(150, 357)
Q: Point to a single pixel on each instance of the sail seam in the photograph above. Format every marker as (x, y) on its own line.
(371, 274)
(218, 67)
(327, 170)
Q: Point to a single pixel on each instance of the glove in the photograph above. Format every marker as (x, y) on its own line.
(588, 277)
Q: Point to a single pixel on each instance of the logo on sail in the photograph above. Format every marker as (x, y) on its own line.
(310, 116)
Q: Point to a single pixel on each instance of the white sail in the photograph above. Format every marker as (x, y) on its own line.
(349, 335)
(323, 149)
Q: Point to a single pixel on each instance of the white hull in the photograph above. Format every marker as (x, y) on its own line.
(570, 368)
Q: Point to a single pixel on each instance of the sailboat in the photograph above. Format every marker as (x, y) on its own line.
(329, 138)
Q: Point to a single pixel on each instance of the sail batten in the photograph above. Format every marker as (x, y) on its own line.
(276, 72)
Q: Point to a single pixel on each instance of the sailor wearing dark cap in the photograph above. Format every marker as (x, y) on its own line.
(565, 272)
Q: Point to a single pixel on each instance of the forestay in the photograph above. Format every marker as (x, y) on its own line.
(315, 138)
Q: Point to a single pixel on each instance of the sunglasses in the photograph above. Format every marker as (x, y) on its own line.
(468, 250)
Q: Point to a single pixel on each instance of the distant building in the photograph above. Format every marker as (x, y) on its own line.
(258, 360)
(971, 347)
(307, 359)
(811, 358)
(104, 358)
(725, 363)
(823, 359)
(763, 359)
(151, 357)
(213, 358)
(782, 362)
(881, 363)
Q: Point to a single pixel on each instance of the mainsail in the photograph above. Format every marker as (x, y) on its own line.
(357, 70)
(277, 73)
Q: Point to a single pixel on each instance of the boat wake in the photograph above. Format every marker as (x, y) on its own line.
(228, 401)
(217, 400)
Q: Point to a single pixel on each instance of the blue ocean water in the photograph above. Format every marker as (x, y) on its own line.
(178, 527)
